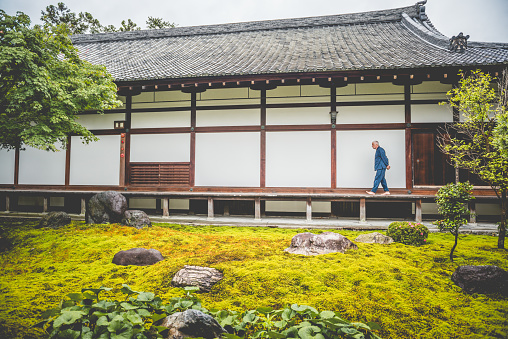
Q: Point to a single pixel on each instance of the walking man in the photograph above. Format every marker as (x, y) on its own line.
(380, 166)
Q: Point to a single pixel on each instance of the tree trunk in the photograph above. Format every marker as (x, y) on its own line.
(502, 224)
(456, 234)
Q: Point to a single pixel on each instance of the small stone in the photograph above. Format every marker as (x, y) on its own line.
(106, 207)
(55, 220)
(193, 324)
(374, 238)
(481, 279)
(136, 218)
(138, 257)
(324, 243)
(202, 277)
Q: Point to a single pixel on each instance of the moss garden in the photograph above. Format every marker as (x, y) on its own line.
(405, 289)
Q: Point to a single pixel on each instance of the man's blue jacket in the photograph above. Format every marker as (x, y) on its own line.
(380, 159)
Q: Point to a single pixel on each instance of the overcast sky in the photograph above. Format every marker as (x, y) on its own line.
(483, 20)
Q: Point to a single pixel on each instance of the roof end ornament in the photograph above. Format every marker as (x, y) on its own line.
(458, 43)
(421, 10)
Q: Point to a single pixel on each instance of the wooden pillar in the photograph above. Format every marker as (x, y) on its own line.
(126, 144)
(7, 203)
(262, 160)
(408, 136)
(68, 161)
(192, 167)
(165, 207)
(309, 209)
(83, 206)
(257, 208)
(16, 166)
(363, 210)
(472, 211)
(418, 210)
(210, 208)
(44, 204)
(333, 108)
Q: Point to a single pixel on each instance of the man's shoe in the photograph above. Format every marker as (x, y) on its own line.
(386, 193)
(370, 192)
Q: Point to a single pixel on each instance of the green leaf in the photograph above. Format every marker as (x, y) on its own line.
(128, 306)
(75, 296)
(67, 318)
(144, 312)
(156, 317)
(250, 318)
(145, 296)
(135, 318)
(374, 326)
(326, 314)
(69, 334)
(127, 290)
(275, 335)
(264, 310)
(310, 332)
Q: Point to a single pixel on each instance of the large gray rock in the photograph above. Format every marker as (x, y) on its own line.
(374, 238)
(324, 243)
(194, 324)
(138, 257)
(202, 277)
(481, 279)
(55, 220)
(136, 218)
(106, 207)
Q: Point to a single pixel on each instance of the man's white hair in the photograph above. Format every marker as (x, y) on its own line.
(375, 142)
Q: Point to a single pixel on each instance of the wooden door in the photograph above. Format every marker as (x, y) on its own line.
(423, 159)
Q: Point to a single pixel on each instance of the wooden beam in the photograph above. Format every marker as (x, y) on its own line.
(309, 209)
(165, 207)
(257, 208)
(210, 208)
(44, 204)
(7, 203)
(418, 210)
(363, 210)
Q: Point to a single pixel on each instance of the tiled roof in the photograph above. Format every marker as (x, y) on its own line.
(387, 39)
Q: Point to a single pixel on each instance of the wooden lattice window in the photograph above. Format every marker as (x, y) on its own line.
(160, 173)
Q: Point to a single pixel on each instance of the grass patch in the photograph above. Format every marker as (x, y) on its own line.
(407, 290)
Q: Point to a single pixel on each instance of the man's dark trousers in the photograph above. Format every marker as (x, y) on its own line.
(380, 179)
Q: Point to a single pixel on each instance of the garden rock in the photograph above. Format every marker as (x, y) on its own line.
(55, 220)
(374, 238)
(138, 257)
(194, 324)
(202, 277)
(106, 207)
(136, 218)
(324, 243)
(481, 279)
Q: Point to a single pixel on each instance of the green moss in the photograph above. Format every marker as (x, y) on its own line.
(406, 289)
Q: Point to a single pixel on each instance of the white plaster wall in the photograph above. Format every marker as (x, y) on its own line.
(297, 206)
(38, 167)
(97, 163)
(160, 147)
(100, 121)
(355, 158)
(161, 119)
(228, 159)
(7, 164)
(430, 90)
(298, 116)
(431, 113)
(298, 159)
(370, 114)
(242, 117)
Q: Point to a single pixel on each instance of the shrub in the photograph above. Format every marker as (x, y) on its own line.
(85, 316)
(408, 233)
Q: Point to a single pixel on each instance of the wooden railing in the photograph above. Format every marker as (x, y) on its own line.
(159, 174)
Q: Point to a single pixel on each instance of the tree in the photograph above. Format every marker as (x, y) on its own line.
(158, 23)
(44, 84)
(501, 129)
(471, 144)
(84, 22)
(452, 200)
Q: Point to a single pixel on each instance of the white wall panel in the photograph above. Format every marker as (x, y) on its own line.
(228, 159)
(431, 113)
(160, 147)
(100, 121)
(7, 164)
(161, 119)
(298, 159)
(355, 158)
(370, 114)
(242, 117)
(38, 167)
(97, 163)
(297, 206)
(298, 116)
(142, 203)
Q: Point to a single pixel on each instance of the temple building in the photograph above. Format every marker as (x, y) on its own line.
(264, 118)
